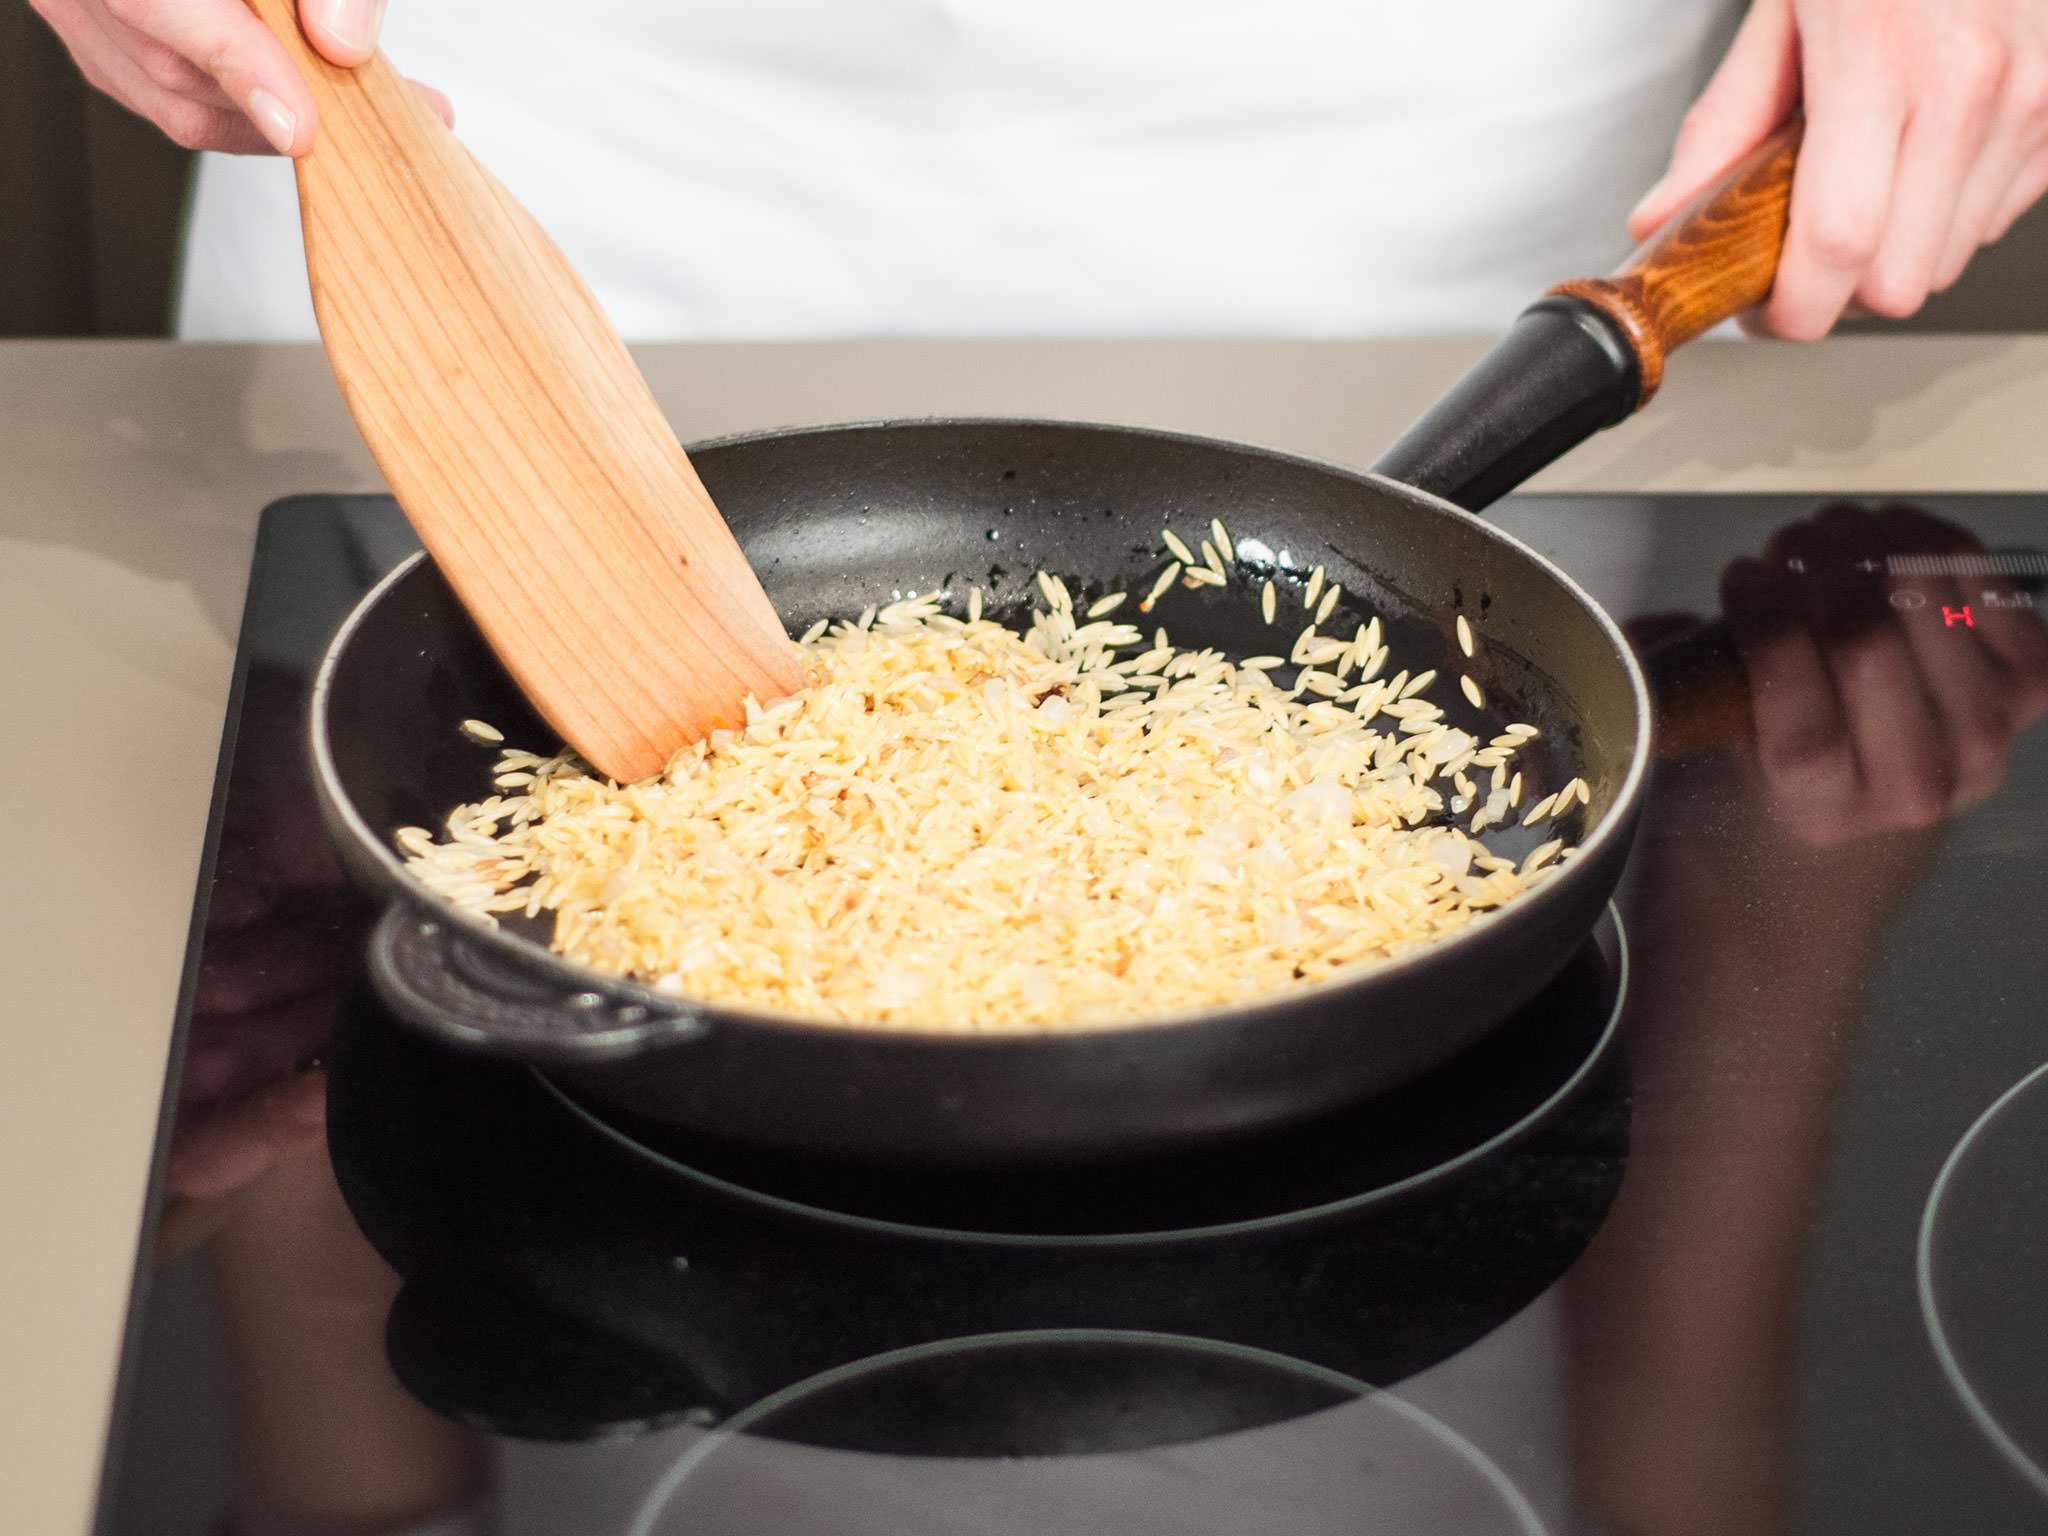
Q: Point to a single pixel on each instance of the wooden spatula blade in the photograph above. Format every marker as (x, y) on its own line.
(519, 437)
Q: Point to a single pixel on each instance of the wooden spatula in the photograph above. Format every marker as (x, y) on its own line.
(519, 437)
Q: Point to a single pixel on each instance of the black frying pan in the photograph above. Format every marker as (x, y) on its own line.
(835, 519)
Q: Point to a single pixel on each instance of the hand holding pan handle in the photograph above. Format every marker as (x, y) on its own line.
(1589, 354)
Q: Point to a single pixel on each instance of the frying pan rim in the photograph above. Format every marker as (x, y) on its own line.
(673, 1009)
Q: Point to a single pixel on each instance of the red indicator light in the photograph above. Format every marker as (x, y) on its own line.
(1951, 617)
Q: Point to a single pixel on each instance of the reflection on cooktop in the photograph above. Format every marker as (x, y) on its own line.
(1983, 1262)
(563, 1280)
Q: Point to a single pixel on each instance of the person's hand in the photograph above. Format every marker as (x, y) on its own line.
(1880, 703)
(208, 73)
(1926, 137)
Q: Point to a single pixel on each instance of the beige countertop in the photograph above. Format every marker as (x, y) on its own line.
(131, 475)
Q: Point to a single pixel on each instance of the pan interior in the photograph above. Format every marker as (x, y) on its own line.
(837, 519)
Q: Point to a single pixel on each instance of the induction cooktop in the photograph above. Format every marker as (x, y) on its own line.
(1739, 1227)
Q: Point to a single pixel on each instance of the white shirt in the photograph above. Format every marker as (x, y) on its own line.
(820, 168)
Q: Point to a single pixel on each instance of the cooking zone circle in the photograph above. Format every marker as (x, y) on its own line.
(1403, 1142)
(1084, 1429)
(1982, 1265)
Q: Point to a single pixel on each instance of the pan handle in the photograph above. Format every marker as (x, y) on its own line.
(1591, 352)
(440, 979)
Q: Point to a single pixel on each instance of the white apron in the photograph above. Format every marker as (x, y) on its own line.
(828, 168)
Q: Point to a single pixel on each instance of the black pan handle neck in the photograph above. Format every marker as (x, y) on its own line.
(1563, 372)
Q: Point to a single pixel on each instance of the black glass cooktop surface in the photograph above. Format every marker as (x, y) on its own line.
(1738, 1228)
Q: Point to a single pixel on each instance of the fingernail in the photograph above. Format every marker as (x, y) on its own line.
(354, 23)
(1646, 200)
(273, 118)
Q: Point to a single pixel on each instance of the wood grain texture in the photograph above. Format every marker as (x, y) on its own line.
(519, 437)
(1713, 259)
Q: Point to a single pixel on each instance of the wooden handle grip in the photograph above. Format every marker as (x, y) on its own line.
(1714, 258)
